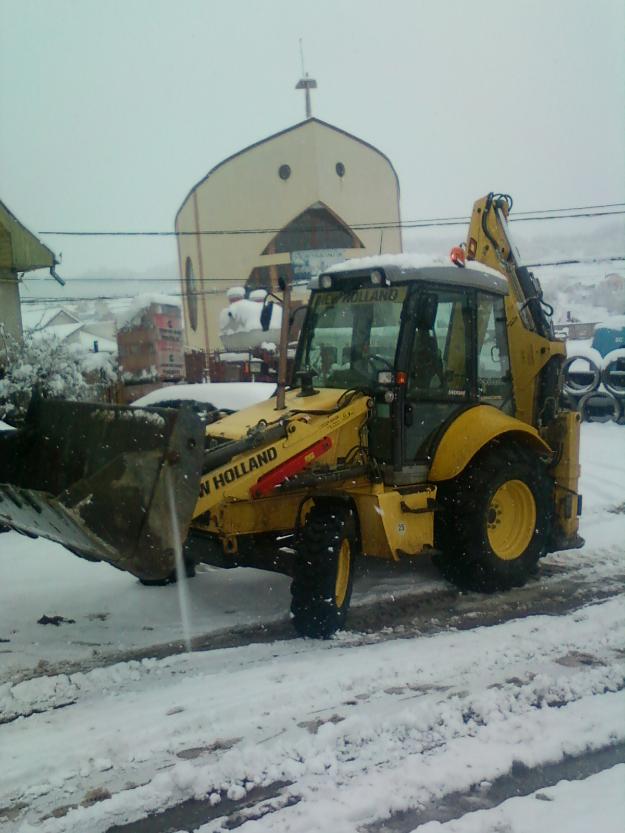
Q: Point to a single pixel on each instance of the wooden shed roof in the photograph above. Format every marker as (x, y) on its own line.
(20, 250)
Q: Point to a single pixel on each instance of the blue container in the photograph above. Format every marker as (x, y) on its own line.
(608, 338)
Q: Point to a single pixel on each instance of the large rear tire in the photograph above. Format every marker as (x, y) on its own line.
(323, 573)
(495, 520)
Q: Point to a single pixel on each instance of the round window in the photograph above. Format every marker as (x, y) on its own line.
(191, 293)
(284, 171)
(340, 169)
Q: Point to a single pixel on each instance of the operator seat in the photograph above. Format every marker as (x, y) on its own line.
(427, 372)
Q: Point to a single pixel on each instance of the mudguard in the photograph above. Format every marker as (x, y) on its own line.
(471, 431)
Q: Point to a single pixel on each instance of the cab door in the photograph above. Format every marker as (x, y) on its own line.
(439, 355)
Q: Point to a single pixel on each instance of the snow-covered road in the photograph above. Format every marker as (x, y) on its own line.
(430, 714)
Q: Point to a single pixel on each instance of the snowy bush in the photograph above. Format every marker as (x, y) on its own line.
(59, 371)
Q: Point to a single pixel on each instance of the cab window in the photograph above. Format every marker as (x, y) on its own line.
(350, 336)
(494, 381)
(440, 354)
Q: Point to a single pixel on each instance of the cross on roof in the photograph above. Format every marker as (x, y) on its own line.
(307, 84)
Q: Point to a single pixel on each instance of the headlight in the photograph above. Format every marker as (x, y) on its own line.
(377, 278)
(325, 281)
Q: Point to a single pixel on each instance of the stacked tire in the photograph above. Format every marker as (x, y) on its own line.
(595, 385)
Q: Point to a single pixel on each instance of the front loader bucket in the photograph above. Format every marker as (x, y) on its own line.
(97, 479)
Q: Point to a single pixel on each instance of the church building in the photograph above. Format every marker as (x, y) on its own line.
(288, 206)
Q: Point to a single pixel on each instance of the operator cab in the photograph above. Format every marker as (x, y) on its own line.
(426, 341)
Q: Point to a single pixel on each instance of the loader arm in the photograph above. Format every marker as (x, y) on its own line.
(536, 355)
(256, 459)
(536, 359)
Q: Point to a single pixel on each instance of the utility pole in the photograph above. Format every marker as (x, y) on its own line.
(284, 345)
(305, 83)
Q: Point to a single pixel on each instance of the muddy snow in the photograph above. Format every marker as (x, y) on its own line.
(434, 711)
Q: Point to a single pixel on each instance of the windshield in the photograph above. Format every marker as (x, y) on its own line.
(350, 336)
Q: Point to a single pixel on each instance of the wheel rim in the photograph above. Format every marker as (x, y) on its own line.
(342, 573)
(511, 520)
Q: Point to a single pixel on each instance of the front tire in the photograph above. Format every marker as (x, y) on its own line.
(323, 573)
(495, 520)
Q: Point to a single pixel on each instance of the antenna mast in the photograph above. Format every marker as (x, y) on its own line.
(305, 83)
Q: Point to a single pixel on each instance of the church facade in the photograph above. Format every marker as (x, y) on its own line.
(286, 207)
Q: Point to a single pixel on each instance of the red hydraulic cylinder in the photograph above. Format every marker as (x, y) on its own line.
(292, 466)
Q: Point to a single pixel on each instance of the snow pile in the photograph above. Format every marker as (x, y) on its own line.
(232, 396)
(241, 316)
(245, 324)
(245, 316)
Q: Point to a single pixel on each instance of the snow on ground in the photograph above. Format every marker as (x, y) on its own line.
(596, 803)
(340, 734)
(360, 732)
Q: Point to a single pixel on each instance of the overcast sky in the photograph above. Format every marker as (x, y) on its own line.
(111, 110)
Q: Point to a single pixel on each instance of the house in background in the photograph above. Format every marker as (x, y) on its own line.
(20, 252)
(150, 347)
(92, 336)
(312, 195)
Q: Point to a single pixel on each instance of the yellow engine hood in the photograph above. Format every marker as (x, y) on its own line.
(235, 426)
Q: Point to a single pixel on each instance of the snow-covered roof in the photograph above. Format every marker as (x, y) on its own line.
(143, 302)
(38, 318)
(401, 267)
(407, 261)
(60, 331)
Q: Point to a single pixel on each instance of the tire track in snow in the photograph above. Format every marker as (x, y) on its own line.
(400, 617)
(386, 720)
(520, 780)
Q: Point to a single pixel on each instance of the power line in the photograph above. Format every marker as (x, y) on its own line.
(585, 260)
(207, 292)
(232, 281)
(528, 216)
(573, 208)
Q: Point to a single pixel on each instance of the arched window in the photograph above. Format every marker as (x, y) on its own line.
(191, 293)
(315, 228)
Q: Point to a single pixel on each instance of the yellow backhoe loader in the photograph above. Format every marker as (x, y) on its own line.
(426, 417)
